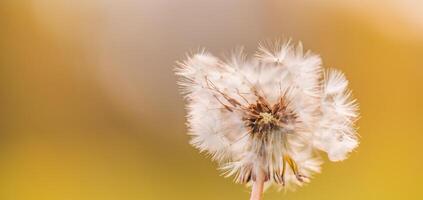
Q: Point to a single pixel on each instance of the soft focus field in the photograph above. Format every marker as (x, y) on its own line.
(90, 109)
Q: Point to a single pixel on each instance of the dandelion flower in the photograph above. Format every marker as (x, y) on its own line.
(265, 119)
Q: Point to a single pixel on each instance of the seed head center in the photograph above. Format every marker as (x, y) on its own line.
(266, 117)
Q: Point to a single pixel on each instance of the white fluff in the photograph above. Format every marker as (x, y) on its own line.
(321, 113)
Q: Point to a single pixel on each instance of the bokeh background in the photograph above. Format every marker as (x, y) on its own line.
(90, 109)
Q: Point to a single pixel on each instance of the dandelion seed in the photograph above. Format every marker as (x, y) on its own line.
(264, 119)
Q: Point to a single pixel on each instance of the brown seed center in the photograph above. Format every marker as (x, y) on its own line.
(267, 118)
(261, 118)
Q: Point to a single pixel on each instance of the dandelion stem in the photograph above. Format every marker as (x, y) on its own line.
(257, 189)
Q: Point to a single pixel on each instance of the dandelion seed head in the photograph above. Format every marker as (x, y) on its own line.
(270, 113)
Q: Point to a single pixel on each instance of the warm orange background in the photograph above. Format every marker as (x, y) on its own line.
(90, 109)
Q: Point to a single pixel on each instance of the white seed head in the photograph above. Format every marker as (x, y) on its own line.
(271, 113)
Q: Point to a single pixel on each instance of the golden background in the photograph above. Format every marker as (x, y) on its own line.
(90, 109)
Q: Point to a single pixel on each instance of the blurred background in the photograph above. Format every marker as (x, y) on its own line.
(90, 109)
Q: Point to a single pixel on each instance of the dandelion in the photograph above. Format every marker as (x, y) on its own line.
(266, 119)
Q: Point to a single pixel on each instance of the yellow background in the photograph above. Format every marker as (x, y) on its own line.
(90, 109)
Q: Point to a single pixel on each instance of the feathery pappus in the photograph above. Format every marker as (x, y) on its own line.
(268, 115)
